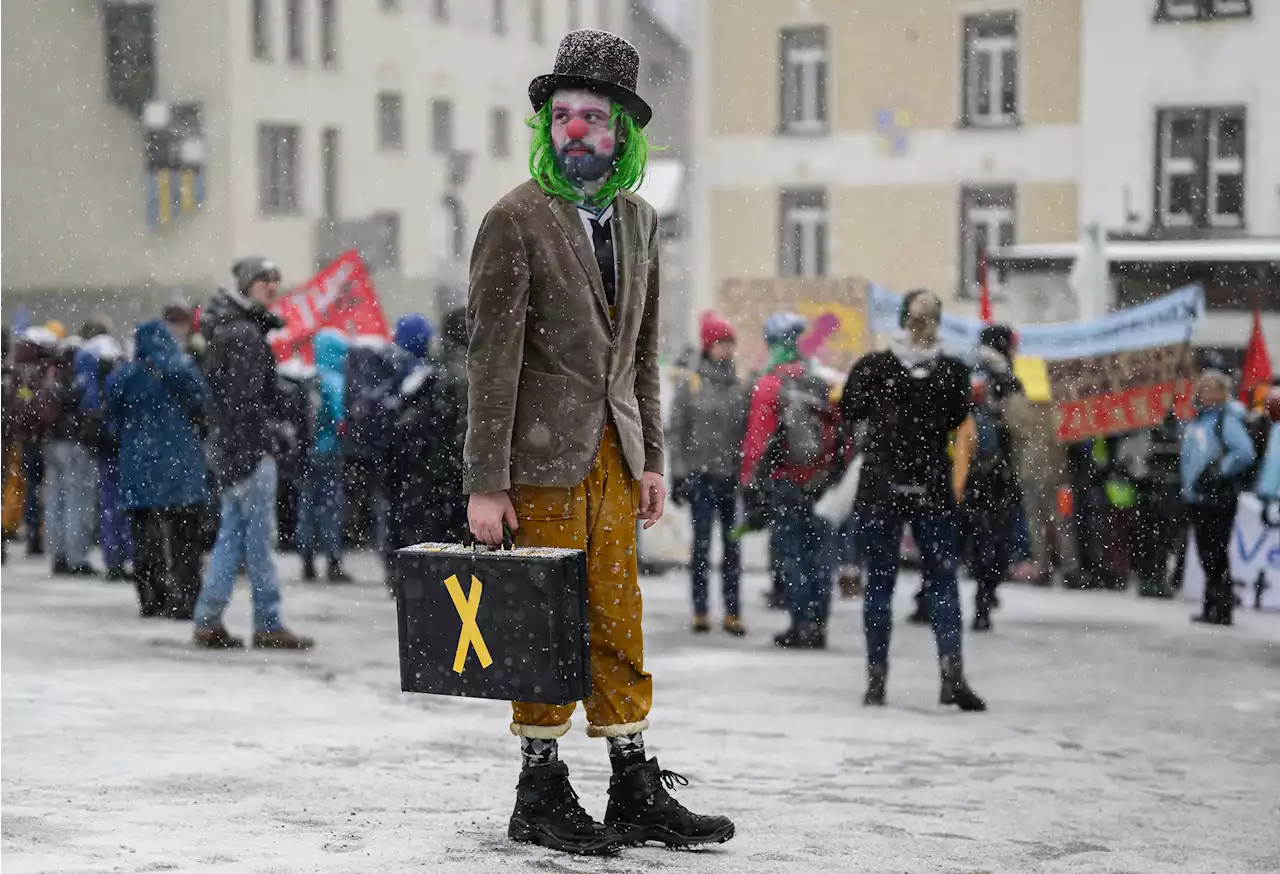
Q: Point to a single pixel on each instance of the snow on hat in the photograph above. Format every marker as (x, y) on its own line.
(715, 329)
(598, 61)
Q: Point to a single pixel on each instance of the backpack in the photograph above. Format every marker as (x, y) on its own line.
(991, 449)
(806, 420)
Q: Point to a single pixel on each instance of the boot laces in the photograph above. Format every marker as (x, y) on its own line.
(573, 811)
(671, 779)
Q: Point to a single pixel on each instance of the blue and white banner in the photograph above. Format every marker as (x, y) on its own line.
(1164, 321)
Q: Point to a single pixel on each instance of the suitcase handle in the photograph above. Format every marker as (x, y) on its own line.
(508, 540)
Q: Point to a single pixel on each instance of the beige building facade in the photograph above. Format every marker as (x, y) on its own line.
(315, 125)
(888, 141)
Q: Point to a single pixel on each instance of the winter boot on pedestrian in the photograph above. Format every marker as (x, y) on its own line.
(308, 568)
(876, 677)
(60, 566)
(982, 621)
(548, 814)
(701, 623)
(217, 638)
(337, 574)
(641, 810)
(281, 638)
(733, 625)
(954, 688)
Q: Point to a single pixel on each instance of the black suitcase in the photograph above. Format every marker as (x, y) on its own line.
(509, 624)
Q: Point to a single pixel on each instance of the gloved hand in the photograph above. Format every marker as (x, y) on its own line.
(680, 492)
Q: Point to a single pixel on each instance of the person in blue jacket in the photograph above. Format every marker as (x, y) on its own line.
(320, 513)
(1216, 451)
(155, 404)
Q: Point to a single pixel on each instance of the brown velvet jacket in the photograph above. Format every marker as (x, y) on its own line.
(548, 364)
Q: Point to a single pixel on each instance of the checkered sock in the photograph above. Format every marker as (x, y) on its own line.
(536, 751)
(626, 750)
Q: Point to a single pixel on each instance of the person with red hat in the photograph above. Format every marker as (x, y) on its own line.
(708, 422)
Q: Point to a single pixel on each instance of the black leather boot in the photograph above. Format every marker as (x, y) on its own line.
(548, 813)
(876, 677)
(954, 688)
(640, 809)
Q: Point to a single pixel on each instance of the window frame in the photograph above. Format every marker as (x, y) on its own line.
(442, 139)
(331, 171)
(279, 189)
(295, 32)
(815, 102)
(1204, 167)
(802, 256)
(260, 30)
(996, 46)
(499, 132)
(1167, 11)
(391, 125)
(991, 202)
(327, 13)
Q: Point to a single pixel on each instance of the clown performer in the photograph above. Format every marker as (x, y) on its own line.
(564, 439)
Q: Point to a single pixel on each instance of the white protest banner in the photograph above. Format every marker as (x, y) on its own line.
(1165, 321)
(1254, 556)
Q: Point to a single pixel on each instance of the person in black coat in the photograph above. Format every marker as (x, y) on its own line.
(911, 397)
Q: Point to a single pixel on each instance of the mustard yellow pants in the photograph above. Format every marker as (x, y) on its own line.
(597, 515)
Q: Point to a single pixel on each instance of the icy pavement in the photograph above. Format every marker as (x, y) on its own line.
(1120, 739)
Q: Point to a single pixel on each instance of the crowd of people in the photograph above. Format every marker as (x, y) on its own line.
(187, 439)
(953, 450)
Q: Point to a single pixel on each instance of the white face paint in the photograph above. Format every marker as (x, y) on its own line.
(583, 136)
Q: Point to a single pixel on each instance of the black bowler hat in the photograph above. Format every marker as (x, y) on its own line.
(594, 60)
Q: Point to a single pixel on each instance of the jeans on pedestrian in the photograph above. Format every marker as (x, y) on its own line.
(71, 500)
(320, 507)
(937, 538)
(33, 468)
(713, 499)
(802, 545)
(244, 535)
(117, 545)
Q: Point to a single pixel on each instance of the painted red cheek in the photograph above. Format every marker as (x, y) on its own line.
(576, 129)
(606, 144)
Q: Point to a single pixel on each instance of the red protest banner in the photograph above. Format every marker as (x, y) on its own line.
(340, 296)
(1101, 395)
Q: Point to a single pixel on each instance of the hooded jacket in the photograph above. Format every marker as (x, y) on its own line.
(1213, 448)
(331, 367)
(241, 374)
(152, 404)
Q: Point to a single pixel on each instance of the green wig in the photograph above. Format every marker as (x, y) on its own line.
(628, 166)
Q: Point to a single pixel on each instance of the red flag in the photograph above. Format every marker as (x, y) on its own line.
(984, 292)
(340, 296)
(1257, 363)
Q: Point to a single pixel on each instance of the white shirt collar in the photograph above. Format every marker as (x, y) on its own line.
(601, 218)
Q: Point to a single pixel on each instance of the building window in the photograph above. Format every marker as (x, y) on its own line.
(500, 133)
(575, 14)
(990, 72)
(390, 121)
(440, 11)
(390, 5)
(329, 32)
(1200, 176)
(987, 220)
(441, 127)
(279, 157)
(385, 254)
(603, 14)
(262, 29)
(537, 24)
(802, 233)
(803, 68)
(499, 17)
(1201, 10)
(330, 156)
(452, 229)
(296, 31)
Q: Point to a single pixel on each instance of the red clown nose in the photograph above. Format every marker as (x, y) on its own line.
(576, 129)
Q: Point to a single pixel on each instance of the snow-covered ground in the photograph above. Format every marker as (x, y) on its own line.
(1120, 738)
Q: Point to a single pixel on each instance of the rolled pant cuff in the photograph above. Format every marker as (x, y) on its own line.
(617, 730)
(541, 732)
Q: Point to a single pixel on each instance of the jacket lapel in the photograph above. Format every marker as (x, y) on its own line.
(624, 252)
(566, 214)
